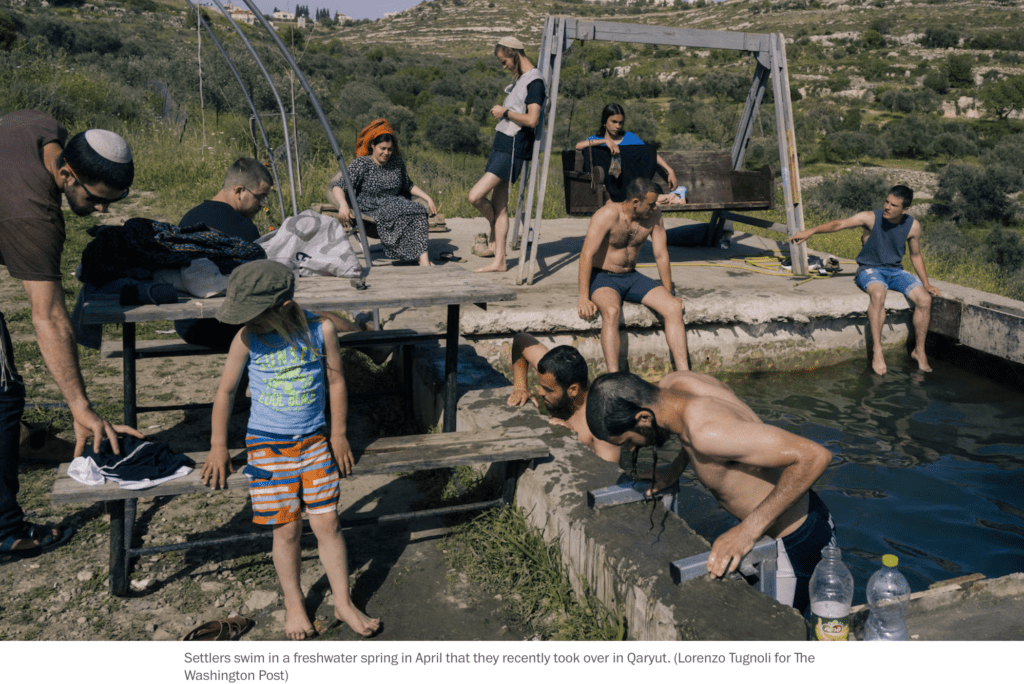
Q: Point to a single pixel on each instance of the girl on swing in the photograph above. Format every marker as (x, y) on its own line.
(613, 134)
(517, 116)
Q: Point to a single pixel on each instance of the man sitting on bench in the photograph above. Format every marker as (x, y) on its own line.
(608, 274)
(562, 377)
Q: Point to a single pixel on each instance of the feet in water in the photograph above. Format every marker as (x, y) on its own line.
(878, 365)
(922, 361)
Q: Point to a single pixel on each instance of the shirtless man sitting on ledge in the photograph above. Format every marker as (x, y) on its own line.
(608, 274)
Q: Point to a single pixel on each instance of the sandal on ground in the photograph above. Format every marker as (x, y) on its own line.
(42, 534)
(449, 256)
(229, 629)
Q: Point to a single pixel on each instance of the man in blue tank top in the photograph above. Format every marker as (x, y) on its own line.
(887, 232)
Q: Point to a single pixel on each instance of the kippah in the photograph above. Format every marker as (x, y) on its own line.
(512, 42)
(108, 145)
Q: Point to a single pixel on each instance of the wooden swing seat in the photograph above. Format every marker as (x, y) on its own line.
(711, 183)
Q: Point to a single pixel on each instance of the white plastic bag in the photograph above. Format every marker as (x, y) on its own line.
(312, 244)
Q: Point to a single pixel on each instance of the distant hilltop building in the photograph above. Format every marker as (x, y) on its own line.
(284, 16)
(341, 18)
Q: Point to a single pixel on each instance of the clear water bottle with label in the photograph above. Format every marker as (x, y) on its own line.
(831, 592)
(888, 593)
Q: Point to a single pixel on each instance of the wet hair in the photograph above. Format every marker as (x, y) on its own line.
(567, 365)
(386, 137)
(904, 193)
(640, 187)
(608, 112)
(290, 322)
(613, 402)
(91, 167)
(515, 55)
(247, 172)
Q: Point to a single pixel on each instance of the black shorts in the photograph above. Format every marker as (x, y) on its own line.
(631, 287)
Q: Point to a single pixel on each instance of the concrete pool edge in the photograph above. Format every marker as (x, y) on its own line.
(613, 552)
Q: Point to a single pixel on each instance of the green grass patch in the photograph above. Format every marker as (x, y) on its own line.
(498, 551)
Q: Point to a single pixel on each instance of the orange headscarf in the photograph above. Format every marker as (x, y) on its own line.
(375, 128)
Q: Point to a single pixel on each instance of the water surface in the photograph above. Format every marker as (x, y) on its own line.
(929, 467)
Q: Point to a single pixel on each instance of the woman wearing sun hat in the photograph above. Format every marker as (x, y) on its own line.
(517, 117)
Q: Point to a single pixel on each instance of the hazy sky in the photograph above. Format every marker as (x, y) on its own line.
(357, 9)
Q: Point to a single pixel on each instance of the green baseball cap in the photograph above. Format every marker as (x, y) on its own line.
(253, 288)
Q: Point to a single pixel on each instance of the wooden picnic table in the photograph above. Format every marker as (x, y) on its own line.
(386, 287)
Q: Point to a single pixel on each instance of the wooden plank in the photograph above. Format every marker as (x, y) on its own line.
(112, 349)
(387, 287)
(380, 456)
(663, 35)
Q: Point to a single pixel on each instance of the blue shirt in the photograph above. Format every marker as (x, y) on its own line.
(288, 383)
(886, 243)
(627, 139)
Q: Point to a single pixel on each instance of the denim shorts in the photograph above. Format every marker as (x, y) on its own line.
(893, 279)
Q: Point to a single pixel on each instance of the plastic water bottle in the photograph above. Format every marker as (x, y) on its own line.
(888, 594)
(831, 590)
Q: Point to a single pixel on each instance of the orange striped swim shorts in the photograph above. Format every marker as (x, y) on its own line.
(302, 476)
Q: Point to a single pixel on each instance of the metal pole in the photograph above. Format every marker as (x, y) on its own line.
(273, 88)
(252, 105)
(313, 100)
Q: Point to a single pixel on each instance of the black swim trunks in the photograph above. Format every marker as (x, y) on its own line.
(631, 287)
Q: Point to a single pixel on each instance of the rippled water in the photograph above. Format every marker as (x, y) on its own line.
(929, 467)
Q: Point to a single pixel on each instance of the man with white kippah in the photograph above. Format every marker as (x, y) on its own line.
(93, 170)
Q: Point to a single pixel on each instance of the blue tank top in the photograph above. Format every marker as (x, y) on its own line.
(886, 244)
(287, 384)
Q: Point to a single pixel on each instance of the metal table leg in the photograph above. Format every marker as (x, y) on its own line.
(128, 372)
(451, 368)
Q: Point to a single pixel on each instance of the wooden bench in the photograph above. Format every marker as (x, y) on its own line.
(389, 455)
(710, 181)
(405, 338)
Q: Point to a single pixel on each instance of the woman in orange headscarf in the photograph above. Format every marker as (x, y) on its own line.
(383, 188)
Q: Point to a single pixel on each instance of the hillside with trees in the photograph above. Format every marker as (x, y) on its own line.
(926, 90)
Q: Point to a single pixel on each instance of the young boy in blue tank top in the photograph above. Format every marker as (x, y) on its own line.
(294, 360)
(887, 233)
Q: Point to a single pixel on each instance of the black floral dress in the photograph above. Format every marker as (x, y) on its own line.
(382, 191)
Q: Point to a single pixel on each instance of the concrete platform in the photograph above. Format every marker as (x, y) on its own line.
(738, 317)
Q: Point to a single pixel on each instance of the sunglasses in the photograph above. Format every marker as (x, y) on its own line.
(95, 199)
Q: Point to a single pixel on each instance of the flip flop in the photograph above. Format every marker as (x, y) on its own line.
(449, 256)
(229, 629)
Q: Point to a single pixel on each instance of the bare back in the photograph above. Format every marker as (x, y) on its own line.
(709, 417)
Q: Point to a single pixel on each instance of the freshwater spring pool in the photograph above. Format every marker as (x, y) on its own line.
(929, 467)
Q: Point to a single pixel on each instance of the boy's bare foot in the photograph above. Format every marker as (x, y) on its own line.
(878, 365)
(297, 626)
(357, 620)
(493, 267)
(922, 361)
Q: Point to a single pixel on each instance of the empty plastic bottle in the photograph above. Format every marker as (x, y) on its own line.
(831, 590)
(888, 594)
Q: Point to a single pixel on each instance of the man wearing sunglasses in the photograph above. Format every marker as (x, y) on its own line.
(92, 171)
